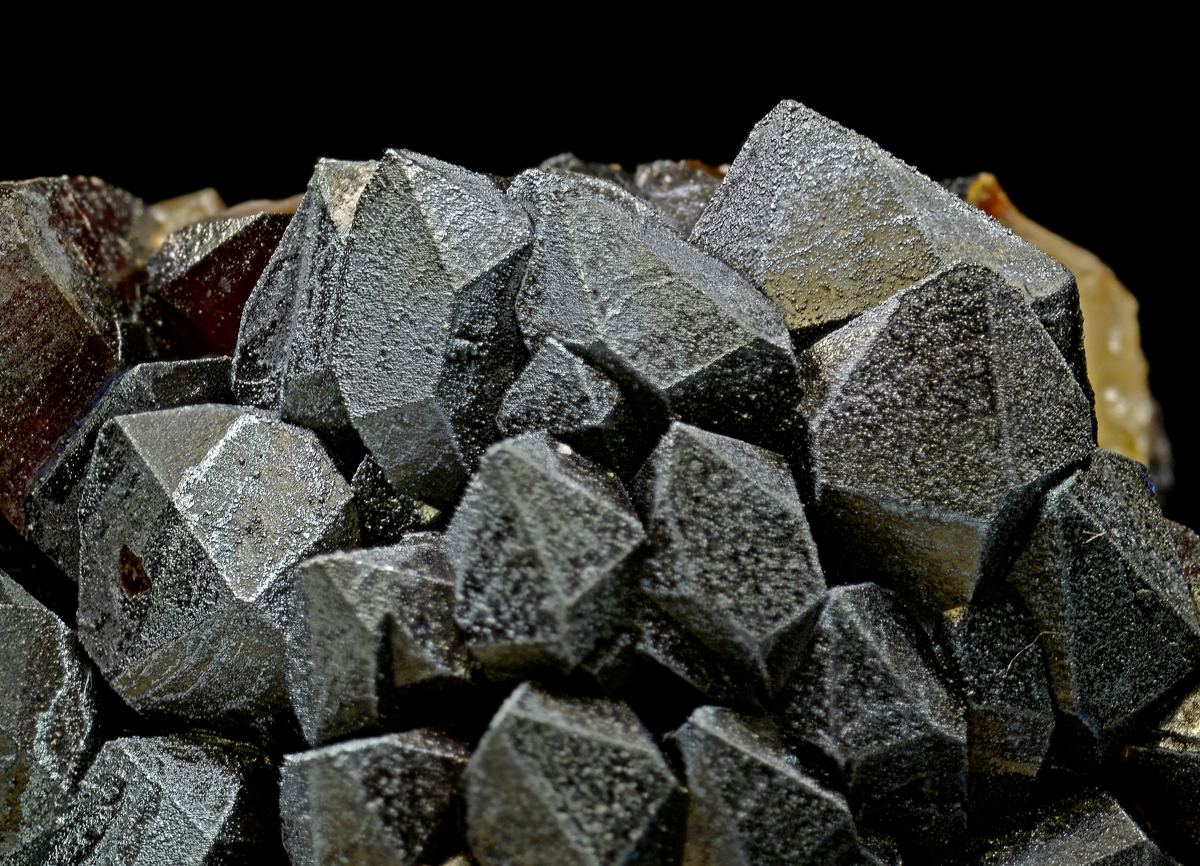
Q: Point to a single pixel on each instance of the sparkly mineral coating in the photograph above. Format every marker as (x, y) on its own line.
(65, 264)
(717, 507)
(683, 334)
(866, 699)
(53, 507)
(540, 545)
(192, 522)
(426, 340)
(751, 803)
(1086, 828)
(574, 402)
(385, 801)
(47, 723)
(283, 353)
(373, 623)
(997, 651)
(203, 274)
(829, 224)
(571, 781)
(680, 190)
(190, 800)
(1102, 579)
(935, 420)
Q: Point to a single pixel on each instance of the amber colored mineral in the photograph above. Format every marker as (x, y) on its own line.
(1117, 369)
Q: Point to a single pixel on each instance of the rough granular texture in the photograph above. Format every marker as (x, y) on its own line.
(571, 781)
(47, 723)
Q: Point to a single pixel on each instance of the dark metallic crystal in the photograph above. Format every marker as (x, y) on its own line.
(680, 190)
(53, 507)
(192, 523)
(571, 781)
(683, 334)
(732, 557)
(373, 622)
(190, 800)
(47, 723)
(541, 545)
(751, 804)
(867, 699)
(385, 801)
(935, 421)
(1104, 582)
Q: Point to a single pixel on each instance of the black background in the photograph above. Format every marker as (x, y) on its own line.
(1086, 134)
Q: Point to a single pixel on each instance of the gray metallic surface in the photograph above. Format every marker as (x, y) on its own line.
(372, 620)
(192, 521)
(541, 545)
(1103, 580)
(731, 557)
(935, 421)
(172, 801)
(47, 723)
(384, 801)
(681, 332)
(867, 699)
(751, 804)
(53, 507)
(571, 781)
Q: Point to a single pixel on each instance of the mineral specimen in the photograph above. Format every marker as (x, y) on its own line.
(846, 375)
(935, 421)
(750, 800)
(541, 547)
(192, 521)
(53, 507)
(386, 801)
(866, 698)
(828, 225)
(1102, 579)
(716, 507)
(203, 274)
(571, 781)
(182, 800)
(47, 723)
(373, 623)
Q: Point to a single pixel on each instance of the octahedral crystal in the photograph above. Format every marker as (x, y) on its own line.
(385, 515)
(1103, 582)
(47, 723)
(996, 650)
(53, 507)
(204, 273)
(65, 280)
(283, 354)
(184, 800)
(829, 224)
(386, 801)
(426, 341)
(192, 522)
(750, 802)
(683, 334)
(372, 623)
(680, 190)
(935, 421)
(1087, 827)
(731, 553)
(866, 698)
(571, 781)
(574, 402)
(1187, 547)
(540, 545)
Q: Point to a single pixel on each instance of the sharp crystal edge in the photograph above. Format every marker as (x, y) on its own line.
(588, 517)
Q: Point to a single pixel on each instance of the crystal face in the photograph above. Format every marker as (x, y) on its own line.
(591, 516)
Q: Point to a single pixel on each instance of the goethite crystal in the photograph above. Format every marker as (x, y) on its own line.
(585, 518)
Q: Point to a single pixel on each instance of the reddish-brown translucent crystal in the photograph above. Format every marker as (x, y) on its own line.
(67, 271)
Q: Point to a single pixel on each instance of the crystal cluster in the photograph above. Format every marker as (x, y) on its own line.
(579, 517)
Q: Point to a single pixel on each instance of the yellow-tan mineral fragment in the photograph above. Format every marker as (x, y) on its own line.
(1117, 369)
